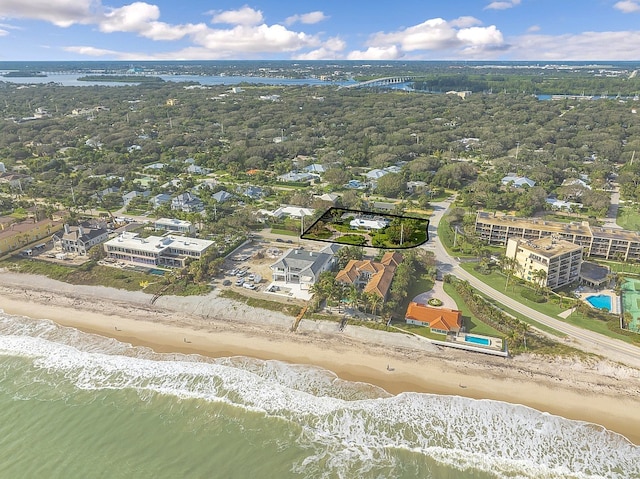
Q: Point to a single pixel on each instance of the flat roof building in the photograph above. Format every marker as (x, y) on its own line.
(560, 261)
(170, 251)
(608, 243)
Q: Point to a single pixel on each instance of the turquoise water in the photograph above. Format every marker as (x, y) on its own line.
(600, 301)
(75, 405)
(477, 340)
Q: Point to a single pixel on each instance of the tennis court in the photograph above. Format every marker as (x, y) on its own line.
(631, 303)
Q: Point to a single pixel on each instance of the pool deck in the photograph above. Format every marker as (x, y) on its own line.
(615, 300)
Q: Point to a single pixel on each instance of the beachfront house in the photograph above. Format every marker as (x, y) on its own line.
(371, 276)
(302, 267)
(166, 251)
(174, 225)
(438, 320)
(79, 239)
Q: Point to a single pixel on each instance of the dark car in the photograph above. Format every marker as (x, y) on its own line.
(226, 282)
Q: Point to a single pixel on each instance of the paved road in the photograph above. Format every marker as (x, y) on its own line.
(583, 339)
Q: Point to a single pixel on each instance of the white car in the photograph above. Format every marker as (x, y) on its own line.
(249, 285)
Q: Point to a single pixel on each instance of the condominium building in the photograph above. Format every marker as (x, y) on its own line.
(170, 251)
(608, 243)
(560, 260)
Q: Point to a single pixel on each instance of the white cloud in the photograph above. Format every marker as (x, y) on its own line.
(252, 39)
(464, 22)
(437, 35)
(243, 16)
(62, 13)
(3, 33)
(534, 28)
(502, 5)
(376, 53)
(581, 46)
(306, 18)
(90, 51)
(628, 6)
(330, 50)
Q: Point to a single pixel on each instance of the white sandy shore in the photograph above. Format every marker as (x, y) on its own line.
(596, 391)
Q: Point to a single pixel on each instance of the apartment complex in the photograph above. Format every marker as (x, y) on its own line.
(169, 251)
(559, 259)
(608, 243)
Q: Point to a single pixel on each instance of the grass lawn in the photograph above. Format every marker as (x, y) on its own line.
(420, 285)
(420, 331)
(629, 217)
(472, 323)
(497, 281)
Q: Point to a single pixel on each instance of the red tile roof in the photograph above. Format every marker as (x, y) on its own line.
(444, 319)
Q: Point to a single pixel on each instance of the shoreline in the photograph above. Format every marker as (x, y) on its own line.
(598, 392)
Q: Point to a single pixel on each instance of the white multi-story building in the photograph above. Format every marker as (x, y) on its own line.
(175, 225)
(559, 259)
(169, 251)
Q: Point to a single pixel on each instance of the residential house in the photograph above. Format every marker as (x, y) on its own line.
(187, 202)
(198, 170)
(295, 177)
(315, 168)
(369, 223)
(331, 198)
(253, 192)
(15, 180)
(15, 235)
(559, 261)
(375, 174)
(79, 239)
(159, 200)
(302, 267)
(168, 251)
(155, 166)
(222, 196)
(371, 276)
(174, 225)
(439, 320)
(518, 181)
(291, 212)
(126, 198)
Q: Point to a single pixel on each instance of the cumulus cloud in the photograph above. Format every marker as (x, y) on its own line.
(330, 50)
(438, 35)
(306, 18)
(243, 16)
(261, 38)
(628, 6)
(502, 5)
(534, 28)
(62, 13)
(376, 53)
(3, 33)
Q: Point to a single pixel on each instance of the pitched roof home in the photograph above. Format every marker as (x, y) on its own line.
(302, 266)
(187, 202)
(315, 168)
(371, 276)
(126, 198)
(439, 320)
(518, 181)
(159, 200)
(79, 239)
(222, 196)
(254, 192)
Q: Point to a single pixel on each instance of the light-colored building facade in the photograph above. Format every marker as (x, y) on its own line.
(168, 251)
(559, 259)
(607, 243)
(79, 239)
(302, 266)
(175, 225)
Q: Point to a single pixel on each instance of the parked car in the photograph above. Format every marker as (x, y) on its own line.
(251, 277)
(226, 282)
(249, 285)
(239, 282)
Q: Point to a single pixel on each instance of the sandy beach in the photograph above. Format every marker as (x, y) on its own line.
(596, 391)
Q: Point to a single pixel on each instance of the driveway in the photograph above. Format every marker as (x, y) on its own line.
(436, 292)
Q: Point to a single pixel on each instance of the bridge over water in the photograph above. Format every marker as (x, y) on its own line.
(380, 82)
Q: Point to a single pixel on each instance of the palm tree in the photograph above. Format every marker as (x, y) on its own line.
(540, 277)
(509, 266)
(524, 328)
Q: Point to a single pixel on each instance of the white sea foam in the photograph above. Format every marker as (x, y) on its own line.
(345, 426)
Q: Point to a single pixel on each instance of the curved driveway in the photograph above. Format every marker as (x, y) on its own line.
(583, 339)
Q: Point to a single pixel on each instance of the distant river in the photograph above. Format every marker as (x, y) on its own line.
(76, 405)
(72, 80)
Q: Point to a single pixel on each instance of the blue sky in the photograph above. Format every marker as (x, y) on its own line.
(320, 30)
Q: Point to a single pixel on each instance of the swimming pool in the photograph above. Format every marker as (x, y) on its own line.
(477, 340)
(600, 301)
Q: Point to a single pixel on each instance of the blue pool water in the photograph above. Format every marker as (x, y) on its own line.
(600, 301)
(477, 340)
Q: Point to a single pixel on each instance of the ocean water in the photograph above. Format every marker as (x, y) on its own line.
(76, 405)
